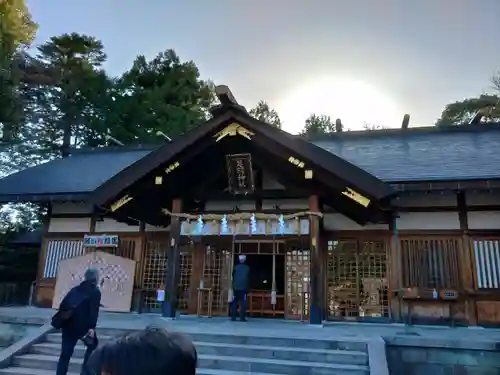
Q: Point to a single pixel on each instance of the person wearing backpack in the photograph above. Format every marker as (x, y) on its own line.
(77, 318)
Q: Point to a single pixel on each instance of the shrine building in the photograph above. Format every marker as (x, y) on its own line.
(389, 225)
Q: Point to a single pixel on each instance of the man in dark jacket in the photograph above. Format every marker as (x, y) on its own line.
(84, 301)
(241, 284)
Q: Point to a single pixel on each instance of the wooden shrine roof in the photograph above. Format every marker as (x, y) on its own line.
(393, 155)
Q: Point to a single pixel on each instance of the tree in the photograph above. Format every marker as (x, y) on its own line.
(17, 31)
(319, 124)
(16, 27)
(264, 113)
(71, 98)
(163, 94)
(463, 112)
(496, 81)
(485, 107)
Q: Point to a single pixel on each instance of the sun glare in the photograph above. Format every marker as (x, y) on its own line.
(354, 102)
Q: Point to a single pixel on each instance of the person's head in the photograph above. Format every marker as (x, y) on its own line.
(91, 276)
(242, 258)
(153, 351)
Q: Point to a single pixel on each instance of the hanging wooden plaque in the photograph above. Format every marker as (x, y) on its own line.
(240, 173)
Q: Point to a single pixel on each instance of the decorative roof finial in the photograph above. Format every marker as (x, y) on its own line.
(226, 99)
(406, 121)
(225, 95)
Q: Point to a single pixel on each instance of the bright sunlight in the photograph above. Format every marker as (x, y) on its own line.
(354, 102)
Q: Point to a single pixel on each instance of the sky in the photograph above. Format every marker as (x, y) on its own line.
(364, 61)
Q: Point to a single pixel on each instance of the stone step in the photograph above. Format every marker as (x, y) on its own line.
(213, 362)
(28, 371)
(254, 340)
(34, 371)
(56, 338)
(252, 351)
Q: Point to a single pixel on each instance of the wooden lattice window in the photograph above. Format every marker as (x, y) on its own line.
(155, 265)
(430, 262)
(298, 277)
(357, 279)
(186, 258)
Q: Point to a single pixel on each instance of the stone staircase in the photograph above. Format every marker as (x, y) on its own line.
(224, 354)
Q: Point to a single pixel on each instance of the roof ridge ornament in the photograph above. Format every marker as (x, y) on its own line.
(227, 101)
(225, 95)
(232, 130)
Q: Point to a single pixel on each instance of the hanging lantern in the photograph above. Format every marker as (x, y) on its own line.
(224, 224)
(296, 225)
(199, 225)
(253, 223)
(282, 224)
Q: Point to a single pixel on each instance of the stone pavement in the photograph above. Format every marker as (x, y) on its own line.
(392, 333)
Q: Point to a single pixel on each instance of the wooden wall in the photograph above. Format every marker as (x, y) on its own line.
(446, 240)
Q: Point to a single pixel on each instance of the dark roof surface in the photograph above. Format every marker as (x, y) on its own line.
(344, 171)
(392, 156)
(79, 173)
(419, 156)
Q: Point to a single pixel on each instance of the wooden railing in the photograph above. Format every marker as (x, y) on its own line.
(259, 304)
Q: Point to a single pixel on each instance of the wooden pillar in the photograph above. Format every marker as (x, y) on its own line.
(43, 250)
(395, 271)
(93, 220)
(172, 277)
(42, 258)
(466, 266)
(198, 250)
(316, 287)
(139, 257)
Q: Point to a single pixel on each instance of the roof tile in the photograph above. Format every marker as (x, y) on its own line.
(392, 157)
(400, 157)
(78, 173)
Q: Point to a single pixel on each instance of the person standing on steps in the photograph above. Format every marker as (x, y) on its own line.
(77, 318)
(241, 284)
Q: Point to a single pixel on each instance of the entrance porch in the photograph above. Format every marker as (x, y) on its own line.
(233, 186)
(280, 276)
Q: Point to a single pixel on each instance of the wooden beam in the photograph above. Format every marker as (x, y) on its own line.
(447, 185)
(448, 208)
(257, 195)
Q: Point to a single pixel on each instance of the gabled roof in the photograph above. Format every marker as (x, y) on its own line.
(392, 155)
(337, 170)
